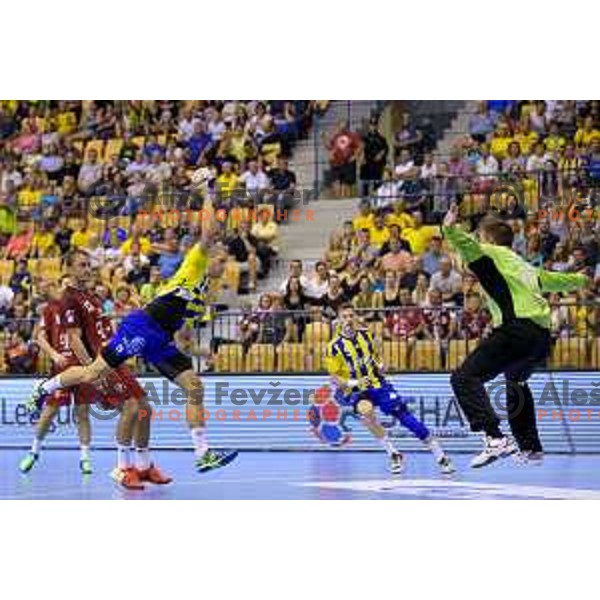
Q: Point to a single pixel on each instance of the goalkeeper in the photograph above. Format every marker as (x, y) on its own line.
(520, 339)
(356, 370)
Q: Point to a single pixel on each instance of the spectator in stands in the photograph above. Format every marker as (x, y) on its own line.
(555, 142)
(21, 279)
(536, 163)
(335, 296)
(408, 137)
(363, 249)
(388, 297)
(20, 357)
(481, 124)
(487, 166)
(124, 301)
(474, 321)
(438, 321)
(351, 277)
(400, 217)
(282, 186)
(388, 192)
(318, 284)
(446, 280)
(90, 174)
(148, 290)
(295, 270)
(366, 299)
(266, 233)
(254, 181)
(43, 244)
(337, 253)
(343, 148)
(365, 218)
(431, 258)
(103, 293)
(62, 235)
(170, 256)
(295, 299)
(548, 240)
(586, 134)
(513, 210)
(242, 246)
(419, 235)
(396, 258)
(379, 234)
(404, 324)
(374, 157)
(138, 269)
(19, 244)
(421, 291)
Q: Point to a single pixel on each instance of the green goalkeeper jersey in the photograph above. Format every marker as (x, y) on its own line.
(512, 286)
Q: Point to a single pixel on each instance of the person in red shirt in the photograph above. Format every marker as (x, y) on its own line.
(89, 329)
(52, 339)
(475, 321)
(343, 148)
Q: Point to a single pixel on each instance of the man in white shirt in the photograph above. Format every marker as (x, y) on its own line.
(295, 270)
(446, 281)
(90, 173)
(487, 166)
(405, 166)
(318, 285)
(254, 179)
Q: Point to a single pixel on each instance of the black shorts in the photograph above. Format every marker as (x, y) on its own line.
(345, 174)
(174, 366)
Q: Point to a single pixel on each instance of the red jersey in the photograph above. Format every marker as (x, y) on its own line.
(343, 146)
(83, 309)
(438, 321)
(474, 324)
(405, 322)
(52, 323)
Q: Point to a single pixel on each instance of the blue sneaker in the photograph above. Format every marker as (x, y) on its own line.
(214, 459)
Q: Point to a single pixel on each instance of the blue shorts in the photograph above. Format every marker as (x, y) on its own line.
(386, 398)
(140, 335)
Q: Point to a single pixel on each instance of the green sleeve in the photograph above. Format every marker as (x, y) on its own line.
(465, 244)
(551, 281)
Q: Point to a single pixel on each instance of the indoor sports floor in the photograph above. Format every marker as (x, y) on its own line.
(306, 476)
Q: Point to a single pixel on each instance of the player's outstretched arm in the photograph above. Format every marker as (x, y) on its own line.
(551, 281)
(465, 244)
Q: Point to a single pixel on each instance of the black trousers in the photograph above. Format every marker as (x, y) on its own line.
(515, 349)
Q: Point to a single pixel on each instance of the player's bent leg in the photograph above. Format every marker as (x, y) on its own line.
(49, 412)
(206, 458)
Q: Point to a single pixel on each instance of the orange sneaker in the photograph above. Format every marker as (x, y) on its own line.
(127, 478)
(153, 475)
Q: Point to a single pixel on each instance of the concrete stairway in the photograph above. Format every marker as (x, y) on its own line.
(457, 131)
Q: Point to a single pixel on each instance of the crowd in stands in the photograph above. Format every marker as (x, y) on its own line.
(80, 174)
(389, 261)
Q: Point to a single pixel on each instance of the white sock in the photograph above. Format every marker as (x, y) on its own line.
(433, 445)
(387, 444)
(142, 459)
(85, 452)
(123, 457)
(50, 386)
(199, 441)
(36, 446)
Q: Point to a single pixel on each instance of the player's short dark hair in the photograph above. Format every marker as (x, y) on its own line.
(496, 229)
(345, 306)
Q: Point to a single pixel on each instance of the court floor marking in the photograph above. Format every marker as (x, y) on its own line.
(463, 489)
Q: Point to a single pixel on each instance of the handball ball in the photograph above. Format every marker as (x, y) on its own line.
(325, 417)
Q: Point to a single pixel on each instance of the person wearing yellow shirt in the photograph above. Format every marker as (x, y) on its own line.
(66, 122)
(29, 197)
(525, 137)
(500, 141)
(44, 244)
(399, 217)
(586, 134)
(227, 181)
(555, 142)
(379, 234)
(143, 242)
(365, 219)
(419, 235)
(81, 238)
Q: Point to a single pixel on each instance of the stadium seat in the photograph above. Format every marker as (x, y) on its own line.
(112, 147)
(260, 358)
(7, 268)
(395, 355)
(50, 268)
(317, 333)
(98, 146)
(291, 358)
(426, 356)
(376, 329)
(570, 353)
(595, 354)
(315, 357)
(230, 358)
(34, 267)
(457, 352)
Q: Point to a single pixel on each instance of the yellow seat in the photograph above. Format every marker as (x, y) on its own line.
(98, 146)
(315, 357)
(458, 350)
(112, 147)
(595, 357)
(230, 358)
(7, 268)
(316, 333)
(376, 329)
(162, 139)
(260, 358)
(50, 268)
(570, 353)
(426, 356)
(34, 267)
(291, 357)
(139, 141)
(395, 355)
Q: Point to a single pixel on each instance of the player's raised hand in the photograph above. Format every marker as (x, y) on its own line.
(451, 216)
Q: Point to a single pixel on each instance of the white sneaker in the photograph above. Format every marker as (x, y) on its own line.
(529, 457)
(397, 463)
(495, 448)
(446, 466)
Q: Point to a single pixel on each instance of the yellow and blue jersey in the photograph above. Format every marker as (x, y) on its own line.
(355, 358)
(184, 296)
